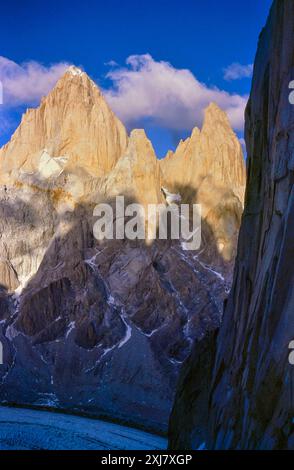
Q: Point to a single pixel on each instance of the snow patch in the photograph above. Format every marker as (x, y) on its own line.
(111, 301)
(219, 275)
(75, 71)
(49, 166)
(47, 399)
(128, 332)
(176, 362)
(71, 327)
(170, 197)
(23, 283)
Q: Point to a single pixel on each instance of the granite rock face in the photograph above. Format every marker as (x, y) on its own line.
(97, 327)
(249, 400)
(73, 127)
(208, 168)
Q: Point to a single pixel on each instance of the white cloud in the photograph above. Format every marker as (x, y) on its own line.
(172, 98)
(111, 63)
(236, 71)
(25, 84)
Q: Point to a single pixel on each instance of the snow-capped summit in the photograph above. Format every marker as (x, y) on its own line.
(76, 71)
(73, 120)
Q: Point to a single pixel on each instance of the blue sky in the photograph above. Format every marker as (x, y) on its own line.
(202, 37)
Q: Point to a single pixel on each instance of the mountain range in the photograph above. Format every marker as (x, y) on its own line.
(103, 327)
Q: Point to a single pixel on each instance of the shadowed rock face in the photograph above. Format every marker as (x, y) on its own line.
(249, 398)
(104, 328)
(101, 328)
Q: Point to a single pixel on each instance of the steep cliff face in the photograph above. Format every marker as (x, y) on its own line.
(101, 327)
(249, 399)
(213, 151)
(73, 127)
(137, 173)
(208, 168)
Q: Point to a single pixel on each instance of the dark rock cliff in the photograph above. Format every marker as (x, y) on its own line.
(249, 402)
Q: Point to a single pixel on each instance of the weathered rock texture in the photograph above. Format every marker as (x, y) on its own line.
(101, 328)
(249, 400)
(137, 173)
(208, 168)
(51, 132)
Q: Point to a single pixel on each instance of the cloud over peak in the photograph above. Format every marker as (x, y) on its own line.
(25, 84)
(172, 98)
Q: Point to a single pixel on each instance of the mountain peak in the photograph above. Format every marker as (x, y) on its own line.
(72, 121)
(77, 77)
(141, 145)
(213, 107)
(75, 71)
(213, 114)
(138, 134)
